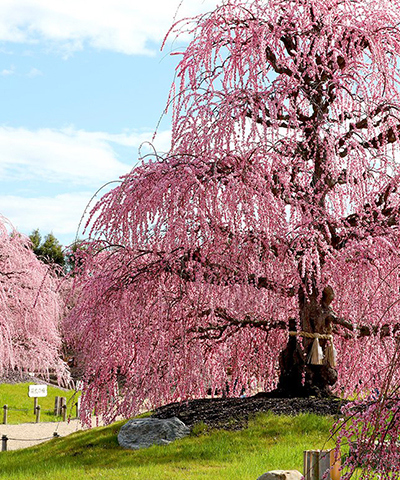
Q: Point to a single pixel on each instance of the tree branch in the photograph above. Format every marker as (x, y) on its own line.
(367, 330)
(216, 331)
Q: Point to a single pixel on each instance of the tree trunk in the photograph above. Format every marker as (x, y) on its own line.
(297, 376)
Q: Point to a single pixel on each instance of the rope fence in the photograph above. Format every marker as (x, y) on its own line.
(61, 405)
(5, 439)
(12, 409)
(30, 439)
(60, 409)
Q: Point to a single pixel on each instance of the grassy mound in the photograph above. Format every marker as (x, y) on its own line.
(269, 442)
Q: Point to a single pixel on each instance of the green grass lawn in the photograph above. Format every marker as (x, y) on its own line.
(269, 443)
(21, 406)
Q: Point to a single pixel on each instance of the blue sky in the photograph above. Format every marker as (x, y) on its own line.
(82, 85)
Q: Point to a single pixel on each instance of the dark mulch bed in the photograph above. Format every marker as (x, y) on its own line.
(233, 413)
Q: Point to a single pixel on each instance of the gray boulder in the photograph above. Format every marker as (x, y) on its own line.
(144, 432)
(281, 475)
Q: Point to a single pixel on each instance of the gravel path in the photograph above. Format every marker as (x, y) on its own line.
(28, 434)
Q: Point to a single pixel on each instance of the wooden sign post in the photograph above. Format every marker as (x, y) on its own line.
(36, 391)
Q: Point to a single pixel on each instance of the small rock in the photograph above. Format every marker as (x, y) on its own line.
(281, 475)
(144, 432)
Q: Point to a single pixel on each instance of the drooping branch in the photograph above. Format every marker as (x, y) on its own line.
(210, 272)
(361, 331)
(230, 324)
(216, 330)
(391, 135)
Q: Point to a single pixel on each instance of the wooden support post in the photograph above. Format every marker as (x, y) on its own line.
(321, 464)
(57, 406)
(315, 465)
(63, 407)
(325, 463)
(4, 443)
(336, 463)
(35, 404)
(38, 414)
(5, 409)
(64, 413)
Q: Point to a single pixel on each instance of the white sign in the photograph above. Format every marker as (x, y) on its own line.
(37, 391)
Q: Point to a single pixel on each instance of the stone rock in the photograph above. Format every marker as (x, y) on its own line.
(144, 432)
(281, 475)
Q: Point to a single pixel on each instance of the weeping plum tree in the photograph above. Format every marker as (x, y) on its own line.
(30, 308)
(263, 250)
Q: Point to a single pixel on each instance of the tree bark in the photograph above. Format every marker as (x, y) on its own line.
(291, 364)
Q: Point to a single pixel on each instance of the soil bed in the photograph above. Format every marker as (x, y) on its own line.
(233, 413)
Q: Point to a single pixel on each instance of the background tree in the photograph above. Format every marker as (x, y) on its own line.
(30, 308)
(270, 230)
(48, 250)
(73, 255)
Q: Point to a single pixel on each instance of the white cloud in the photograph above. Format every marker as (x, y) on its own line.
(59, 214)
(72, 163)
(74, 156)
(7, 71)
(34, 72)
(125, 26)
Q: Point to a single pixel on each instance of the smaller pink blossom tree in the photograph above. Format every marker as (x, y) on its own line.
(30, 308)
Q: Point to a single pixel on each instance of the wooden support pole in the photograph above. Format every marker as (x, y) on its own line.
(321, 464)
(315, 465)
(35, 404)
(38, 414)
(5, 410)
(325, 463)
(57, 406)
(336, 463)
(4, 443)
(306, 465)
(63, 408)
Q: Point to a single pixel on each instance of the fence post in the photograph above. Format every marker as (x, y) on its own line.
(5, 408)
(78, 407)
(64, 412)
(38, 414)
(63, 407)
(319, 464)
(4, 443)
(57, 406)
(35, 404)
